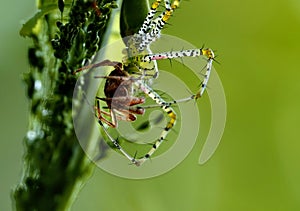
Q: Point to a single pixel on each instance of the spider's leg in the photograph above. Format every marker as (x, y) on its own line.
(148, 33)
(103, 63)
(103, 112)
(148, 20)
(150, 16)
(208, 53)
(115, 143)
(118, 146)
(170, 112)
(123, 102)
(118, 110)
(121, 78)
(135, 41)
(113, 123)
(158, 24)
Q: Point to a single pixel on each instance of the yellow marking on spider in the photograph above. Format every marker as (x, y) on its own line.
(208, 53)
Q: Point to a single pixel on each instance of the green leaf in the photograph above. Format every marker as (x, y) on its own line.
(31, 26)
(133, 14)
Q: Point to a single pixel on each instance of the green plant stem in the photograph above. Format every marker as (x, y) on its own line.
(65, 34)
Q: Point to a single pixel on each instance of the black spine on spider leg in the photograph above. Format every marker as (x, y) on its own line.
(55, 166)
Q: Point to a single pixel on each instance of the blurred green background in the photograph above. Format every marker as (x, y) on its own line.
(256, 166)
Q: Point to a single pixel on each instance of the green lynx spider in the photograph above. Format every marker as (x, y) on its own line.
(122, 104)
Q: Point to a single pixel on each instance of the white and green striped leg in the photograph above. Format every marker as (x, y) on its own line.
(115, 142)
(148, 20)
(152, 26)
(157, 24)
(169, 111)
(208, 53)
(160, 102)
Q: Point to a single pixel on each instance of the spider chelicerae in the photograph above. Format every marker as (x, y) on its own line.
(122, 83)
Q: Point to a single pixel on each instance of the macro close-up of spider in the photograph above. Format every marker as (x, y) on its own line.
(150, 105)
(136, 72)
